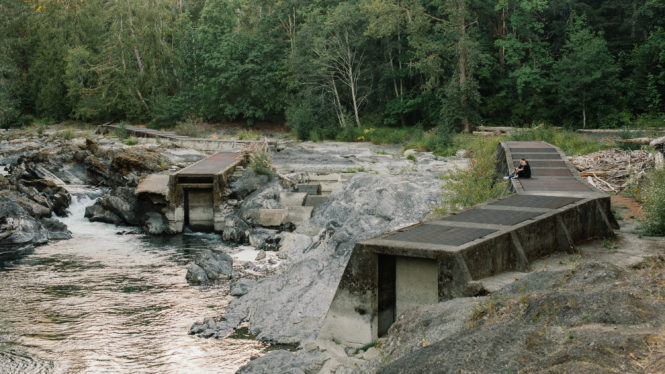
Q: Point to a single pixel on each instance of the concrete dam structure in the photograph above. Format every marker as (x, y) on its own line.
(449, 257)
(193, 196)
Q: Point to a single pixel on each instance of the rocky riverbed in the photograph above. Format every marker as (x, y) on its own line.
(599, 310)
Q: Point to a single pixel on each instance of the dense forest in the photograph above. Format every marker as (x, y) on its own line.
(323, 65)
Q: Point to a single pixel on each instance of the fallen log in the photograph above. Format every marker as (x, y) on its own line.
(657, 141)
(641, 141)
(585, 174)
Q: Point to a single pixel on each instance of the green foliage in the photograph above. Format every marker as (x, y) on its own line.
(192, 126)
(570, 142)
(66, 134)
(131, 141)
(259, 160)
(586, 74)
(121, 132)
(329, 68)
(653, 206)
(467, 187)
(248, 135)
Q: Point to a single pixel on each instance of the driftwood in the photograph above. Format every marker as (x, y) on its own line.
(585, 174)
(613, 170)
(641, 141)
(658, 141)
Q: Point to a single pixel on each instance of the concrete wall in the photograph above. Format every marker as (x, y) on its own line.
(200, 209)
(426, 273)
(415, 283)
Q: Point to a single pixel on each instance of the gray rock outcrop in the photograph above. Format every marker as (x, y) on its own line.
(209, 267)
(289, 307)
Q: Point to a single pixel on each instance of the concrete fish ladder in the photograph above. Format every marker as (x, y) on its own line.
(449, 257)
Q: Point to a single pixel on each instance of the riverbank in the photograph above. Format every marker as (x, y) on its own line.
(283, 278)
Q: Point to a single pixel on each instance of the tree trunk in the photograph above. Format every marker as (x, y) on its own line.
(338, 103)
(463, 68)
(354, 97)
(131, 31)
(584, 115)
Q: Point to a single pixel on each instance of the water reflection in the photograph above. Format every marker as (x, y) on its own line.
(103, 302)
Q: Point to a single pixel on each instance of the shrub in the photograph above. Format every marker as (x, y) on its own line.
(66, 134)
(192, 126)
(653, 222)
(259, 160)
(248, 135)
(131, 141)
(467, 187)
(122, 132)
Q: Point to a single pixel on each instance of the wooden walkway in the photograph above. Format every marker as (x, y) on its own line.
(219, 163)
(169, 137)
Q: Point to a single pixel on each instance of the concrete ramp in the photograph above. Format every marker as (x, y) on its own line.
(449, 257)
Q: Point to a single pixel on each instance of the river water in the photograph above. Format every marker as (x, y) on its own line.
(108, 301)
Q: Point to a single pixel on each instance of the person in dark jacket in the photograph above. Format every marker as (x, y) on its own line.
(523, 170)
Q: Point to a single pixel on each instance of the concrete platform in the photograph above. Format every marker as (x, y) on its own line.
(288, 199)
(298, 214)
(271, 217)
(549, 213)
(315, 200)
(309, 188)
(157, 184)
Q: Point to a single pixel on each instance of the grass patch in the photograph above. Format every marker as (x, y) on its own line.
(131, 141)
(467, 187)
(653, 197)
(364, 348)
(570, 142)
(248, 135)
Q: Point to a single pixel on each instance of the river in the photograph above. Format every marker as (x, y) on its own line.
(112, 301)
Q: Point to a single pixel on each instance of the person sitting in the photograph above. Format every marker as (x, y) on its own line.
(523, 170)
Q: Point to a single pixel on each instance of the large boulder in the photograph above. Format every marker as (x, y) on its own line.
(97, 213)
(264, 239)
(56, 229)
(248, 183)
(117, 208)
(57, 196)
(209, 267)
(155, 223)
(120, 207)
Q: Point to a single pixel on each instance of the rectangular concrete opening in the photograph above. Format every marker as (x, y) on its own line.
(199, 214)
(386, 293)
(416, 283)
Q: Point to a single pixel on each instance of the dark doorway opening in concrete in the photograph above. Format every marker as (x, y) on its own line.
(386, 293)
(199, 211)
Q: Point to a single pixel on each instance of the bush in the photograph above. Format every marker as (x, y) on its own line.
(122, 132)
(653, 206)
(131, 141)
(259, 160)
(192, 127)
(248, 135)
(467, 187)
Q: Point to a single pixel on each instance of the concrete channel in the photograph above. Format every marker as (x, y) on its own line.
(449, 257)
